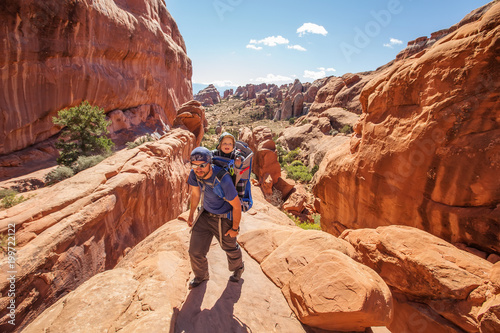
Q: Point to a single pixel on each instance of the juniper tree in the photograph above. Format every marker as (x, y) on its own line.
(84, 134)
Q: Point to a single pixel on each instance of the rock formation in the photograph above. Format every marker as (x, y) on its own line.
(191, 116)
(208, 96)
(425, 152)
(265, 160)
(59, 55)
(228, 92)
(147, 290)
(399, 277)
(431, 278)
(84, 225)
(342, 92)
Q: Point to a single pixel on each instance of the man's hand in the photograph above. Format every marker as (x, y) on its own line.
(231, 233)
(190, 220)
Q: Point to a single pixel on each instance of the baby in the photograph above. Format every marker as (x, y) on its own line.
(225, 148)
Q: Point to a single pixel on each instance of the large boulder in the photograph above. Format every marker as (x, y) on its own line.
(61, 55)
(426, 269)
(427, 150)
(323, 285)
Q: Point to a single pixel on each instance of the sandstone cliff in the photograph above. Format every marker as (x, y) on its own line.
(115, 54)
(84, 225)
(426, 150)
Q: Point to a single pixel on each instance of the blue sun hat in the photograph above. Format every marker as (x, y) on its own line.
(201, 154)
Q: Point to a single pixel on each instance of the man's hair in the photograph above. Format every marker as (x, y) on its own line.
(201, 154)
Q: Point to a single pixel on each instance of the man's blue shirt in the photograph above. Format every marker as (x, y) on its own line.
(211, 201)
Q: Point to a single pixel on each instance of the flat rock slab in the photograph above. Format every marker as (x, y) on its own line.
(254, 304)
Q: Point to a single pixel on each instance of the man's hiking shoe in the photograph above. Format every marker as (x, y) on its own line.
(237, 274)
(195, 283)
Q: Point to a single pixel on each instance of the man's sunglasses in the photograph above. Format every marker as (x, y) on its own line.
(196, 166)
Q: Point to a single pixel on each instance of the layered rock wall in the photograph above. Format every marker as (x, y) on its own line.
(115, 54)
(84, 225)
(426, 151)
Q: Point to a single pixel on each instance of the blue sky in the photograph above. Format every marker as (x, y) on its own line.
(235, 42)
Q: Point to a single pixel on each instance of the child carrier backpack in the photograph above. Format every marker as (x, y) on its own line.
(240, 175)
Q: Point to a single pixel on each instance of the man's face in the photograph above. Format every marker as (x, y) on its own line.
(226, 145)
(201, 169)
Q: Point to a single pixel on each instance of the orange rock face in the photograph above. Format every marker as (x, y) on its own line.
(115, 54)
(85, 224)
(265, 161)
(426, 152)
(453, 283)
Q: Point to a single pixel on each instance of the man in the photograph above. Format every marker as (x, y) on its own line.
(213, 220)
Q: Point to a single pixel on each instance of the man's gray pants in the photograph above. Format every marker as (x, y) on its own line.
(201, 237)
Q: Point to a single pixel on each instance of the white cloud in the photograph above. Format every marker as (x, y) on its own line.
(272, 78)
(320, 73)
(224, 83)
(251, 46)
(271, 41)
(392, 42)
(296, 47)
(395, 41)
(220, 83)
(312, 29)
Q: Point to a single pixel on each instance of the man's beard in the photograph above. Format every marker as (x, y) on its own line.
(203, 176)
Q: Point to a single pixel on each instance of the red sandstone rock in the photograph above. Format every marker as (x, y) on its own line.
(296, 202)
(227, 93)
(191, 115)
(208, 96)
(147, 291)
(265, 161)
(342, 92)
(426, 269)
(291, 260)
(83, 225)
(345, 296)
(298, 105)
(61, 67)
(429, 151)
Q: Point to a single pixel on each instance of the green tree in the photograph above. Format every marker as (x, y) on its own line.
(85, 133)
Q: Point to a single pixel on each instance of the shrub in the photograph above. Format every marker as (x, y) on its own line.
(281, 154)
(60, 173)
(291, 121)
(314, 169)
(143, 139)
(298, 172)
(85, 162)
(291, 156)
(211, 131)
(347, 129)
(85, 133)
(309, 226)
(10, 198)
(7, 192)
(297, 163)
(333, 132)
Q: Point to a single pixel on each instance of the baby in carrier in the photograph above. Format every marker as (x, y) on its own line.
(226, 148)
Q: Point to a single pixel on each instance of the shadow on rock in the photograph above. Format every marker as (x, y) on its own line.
(220, 318)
